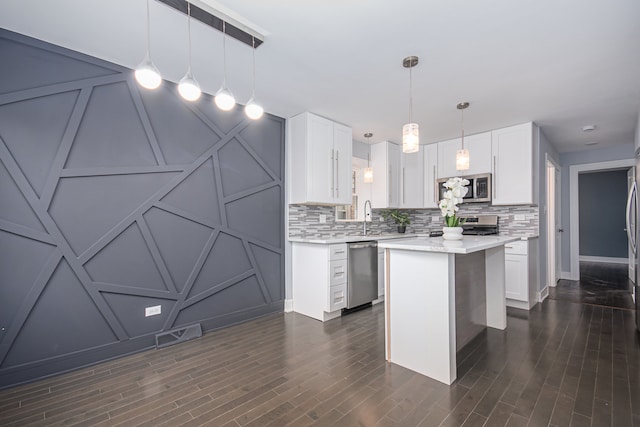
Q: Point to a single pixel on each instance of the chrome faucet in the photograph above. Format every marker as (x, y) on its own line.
(364, 222)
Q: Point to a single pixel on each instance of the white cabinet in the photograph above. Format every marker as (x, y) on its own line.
(321, 153)
(521, 273)
(319, 277)
(387, 165)
(513, 165)
(412, 180)
(430, 176)
(479, 146)
(400, 182)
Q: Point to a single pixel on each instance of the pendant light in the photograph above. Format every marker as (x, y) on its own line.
(368, 171)
(462, 155)
(188, 87)
(224, 99)
(410, 131)
(253, 110)
(147, 75)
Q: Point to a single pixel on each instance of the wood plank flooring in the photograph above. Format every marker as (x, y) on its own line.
(561, 364)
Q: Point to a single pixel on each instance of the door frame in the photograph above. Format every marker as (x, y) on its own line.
(574, 209)
(553, 215)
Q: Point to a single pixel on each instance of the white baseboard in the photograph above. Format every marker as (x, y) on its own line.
(566, 275)
(288, 305)
(543, 294)
(610, 260)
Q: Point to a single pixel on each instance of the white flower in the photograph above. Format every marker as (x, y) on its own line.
(456, 190)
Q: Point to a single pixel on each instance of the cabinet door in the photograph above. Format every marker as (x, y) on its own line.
(516, 277)
(512, 151)
(321, 178)
(342, 148)
(412, 180)
(479, 147)
(447, 158)
(393, 158)
(430, 174)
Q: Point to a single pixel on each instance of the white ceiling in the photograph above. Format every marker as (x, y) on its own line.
(563, 64)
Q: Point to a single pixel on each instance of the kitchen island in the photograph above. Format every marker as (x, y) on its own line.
(421, 276)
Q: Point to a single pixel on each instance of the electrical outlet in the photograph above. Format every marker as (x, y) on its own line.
(435, 218)
(519, 217)
(152, 311)
(322, 219)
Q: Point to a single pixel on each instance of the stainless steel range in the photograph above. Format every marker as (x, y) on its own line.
(480, 225)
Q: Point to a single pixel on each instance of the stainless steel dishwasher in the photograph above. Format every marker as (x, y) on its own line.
(362, 278)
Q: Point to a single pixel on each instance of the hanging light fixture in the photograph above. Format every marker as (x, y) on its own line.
(368, 171)
(188, 87)
(253, 110)
(147, 75)
(410, 131)
(224, 99)
(462, 155)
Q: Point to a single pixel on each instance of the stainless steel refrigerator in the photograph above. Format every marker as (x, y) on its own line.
(633, 233)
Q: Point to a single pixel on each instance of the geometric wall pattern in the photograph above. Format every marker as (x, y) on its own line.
(114, 198)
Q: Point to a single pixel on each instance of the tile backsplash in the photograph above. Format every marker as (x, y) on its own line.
(304, 220)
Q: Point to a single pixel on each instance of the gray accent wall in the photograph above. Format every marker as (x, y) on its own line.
(603, 201)
(114, 198)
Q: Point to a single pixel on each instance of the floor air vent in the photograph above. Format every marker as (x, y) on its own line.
(178, 335)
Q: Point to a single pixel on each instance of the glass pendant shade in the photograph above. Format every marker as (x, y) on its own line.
(368, 175)
(253, 110)
(147, 75)
(189, 88)
(224, 99)
(410, 138)
(462, 159)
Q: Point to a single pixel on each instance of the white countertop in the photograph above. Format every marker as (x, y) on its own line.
(349, 239)
(467, 245)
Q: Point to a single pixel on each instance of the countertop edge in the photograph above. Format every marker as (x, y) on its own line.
(349, 239)
(437, 244)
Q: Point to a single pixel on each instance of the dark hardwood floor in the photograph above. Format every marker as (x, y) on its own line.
(600, 284)
(560, 364)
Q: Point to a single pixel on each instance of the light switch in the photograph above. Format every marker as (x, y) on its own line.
(519, 217)
(322, 219)
(152, 311)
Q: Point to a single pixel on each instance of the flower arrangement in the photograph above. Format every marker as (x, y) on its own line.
(456, 190)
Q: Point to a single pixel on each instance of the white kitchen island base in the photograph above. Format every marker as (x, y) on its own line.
(420, 305)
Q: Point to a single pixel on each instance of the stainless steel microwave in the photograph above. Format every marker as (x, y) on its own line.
(479, 188)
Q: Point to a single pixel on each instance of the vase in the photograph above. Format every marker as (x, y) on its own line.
(402, 228)
(452, 233)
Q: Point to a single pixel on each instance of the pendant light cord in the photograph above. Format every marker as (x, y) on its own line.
(148, 32)
(410, 94)
(462, 125)
(224, 53)
(189, 29)
(253, 46)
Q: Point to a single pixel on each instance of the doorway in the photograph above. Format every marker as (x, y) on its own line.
(553, 222)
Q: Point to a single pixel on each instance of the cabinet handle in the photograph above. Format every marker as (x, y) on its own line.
(337, 172)
(333, 175)
(495, 178)
(390, 186)
(436, 192)
(403, 191)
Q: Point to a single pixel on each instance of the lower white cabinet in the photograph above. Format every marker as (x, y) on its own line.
(521, 273)
(319, 279)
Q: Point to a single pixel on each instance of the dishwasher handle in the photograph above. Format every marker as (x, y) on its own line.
(363, 245)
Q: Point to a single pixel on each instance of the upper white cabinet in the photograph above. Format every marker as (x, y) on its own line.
(430, 175)
(479, 146)
(512, 165)
(320, 160)
(412, 180)
(387, 164)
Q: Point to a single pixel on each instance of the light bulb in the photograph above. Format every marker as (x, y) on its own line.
(410, 138)
(147, 75)
(253, 110)
(368, 175)
(189, 88)
(224, 99)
